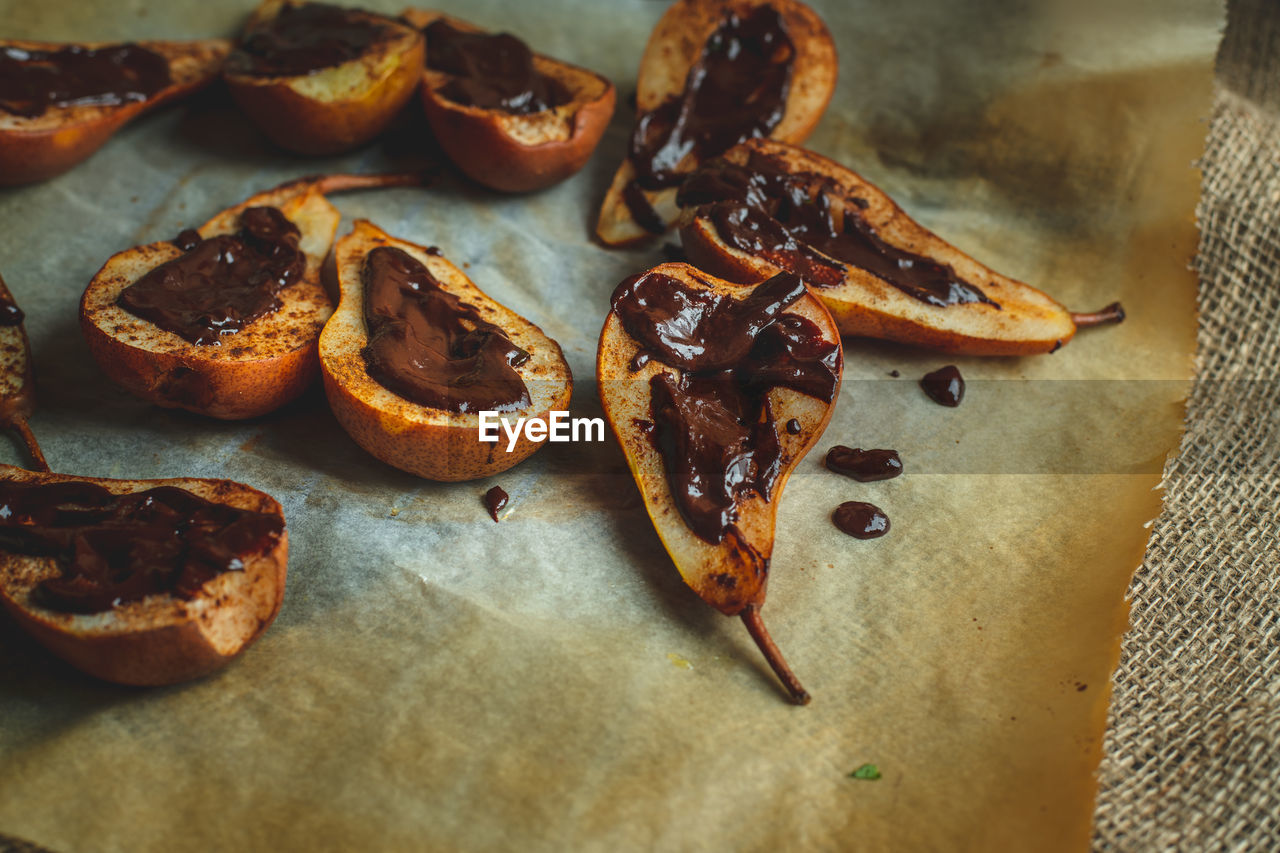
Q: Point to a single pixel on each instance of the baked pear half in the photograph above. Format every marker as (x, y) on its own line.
(766, 206)
(322, 79)
(715, 392)
(408, 319)
(523, 143)
(214, 598)
(715, 72)
(54, 124)
(270, 360)
(17, 384)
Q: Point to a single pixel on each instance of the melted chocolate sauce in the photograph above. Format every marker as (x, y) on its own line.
(736, 90)
(10, 313)
(865, 466)
(118, 548)
(304, 39)
(638, 361)
(429, 346)
(33, 81)
(793, 426)
(494, 500)
(224, 283)
(807, 224)
(494, 72)
(861, 520)
(945, 386)
(713, 425)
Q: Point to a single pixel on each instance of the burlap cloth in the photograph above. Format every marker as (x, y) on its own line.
(1193, 747)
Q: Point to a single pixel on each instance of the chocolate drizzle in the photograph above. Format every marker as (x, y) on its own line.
(495, 72)
(429, 346)
(861, 520)
(865, 466)
(737, 90)
(494, 500)
(307, 38)
(113, 548)
(223, 283)
(33, 81)
(713, 424)
(10, 313)
(945, 386)
(808, 224)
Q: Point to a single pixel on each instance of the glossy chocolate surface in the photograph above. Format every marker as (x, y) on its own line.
(222, 284)
(302, 40)
(865, 466)
(861, 520)
(945, 386)
(10, 313)
(113, 548)
(491, 71)
(808, 224)
(713, 425)
(429, 346)
(736, 90)
(494, 500)
(33, 81)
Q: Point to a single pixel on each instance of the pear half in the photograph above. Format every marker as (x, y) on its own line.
(260, 368)
(37, 148)
(1023, 321)
(162, 638)
(430, 442)
(17, 385)
(674, 47)
(731, 575)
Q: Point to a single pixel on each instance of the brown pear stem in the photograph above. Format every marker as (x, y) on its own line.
(1113, 313)
(759, 633)
(341, 183)
(24, 432)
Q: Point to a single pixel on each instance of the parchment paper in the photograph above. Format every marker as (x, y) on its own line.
(436, 681)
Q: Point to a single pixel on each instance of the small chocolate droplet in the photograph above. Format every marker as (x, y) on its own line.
(945, 386)
(861, 520)
(640, 360)
(793, 426)
(865, 466)
(895, 374)
(494, 500)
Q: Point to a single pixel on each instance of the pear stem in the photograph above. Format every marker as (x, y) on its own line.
(759, 633)
(1113, 313)
(20, 426)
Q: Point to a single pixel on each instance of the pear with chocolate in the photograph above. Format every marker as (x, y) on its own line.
(715, 72)
(415, 351)
(698, 377)
(241, 323)
(17, 386)
(766, 206)
(323, 79)
(510, 119)
(94, 570)
(60, 102)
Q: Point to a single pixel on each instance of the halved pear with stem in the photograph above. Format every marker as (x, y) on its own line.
(766, 206)
(715, 392)
(265, 364)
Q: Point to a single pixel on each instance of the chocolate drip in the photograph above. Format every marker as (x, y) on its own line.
(119, 548)
(429, 346)
(861, 520)
(10, 313)
(494, 500)
(713, 425)
(737, 90)
(33, 81)
(945, 386)
(222, 284)
(495, 72)
(865, 466)
(806, 223)
(307, 38)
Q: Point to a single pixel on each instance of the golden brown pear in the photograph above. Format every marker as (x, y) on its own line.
(258, 369)
(430, 442)
(730, 575)
(36, 148)
(674, 47)
(517, 152)
(162, 638)
(17, 386)
(1022, 320)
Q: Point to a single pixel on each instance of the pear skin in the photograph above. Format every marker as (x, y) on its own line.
(1025, 322)
(265, 365)
(732, 575)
